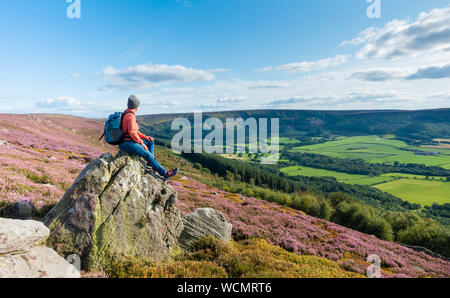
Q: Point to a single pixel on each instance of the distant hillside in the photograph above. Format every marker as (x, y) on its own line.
(412, 126)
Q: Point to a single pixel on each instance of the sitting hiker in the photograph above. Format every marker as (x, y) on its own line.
(136, 143)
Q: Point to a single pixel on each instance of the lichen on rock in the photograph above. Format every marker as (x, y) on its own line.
(204, 222)
(114, 210)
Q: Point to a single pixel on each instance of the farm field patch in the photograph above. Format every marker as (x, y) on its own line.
(341, 177)
(423, 192)
(411, 176)
(377, 149)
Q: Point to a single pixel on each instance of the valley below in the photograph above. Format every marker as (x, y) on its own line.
(421, 189)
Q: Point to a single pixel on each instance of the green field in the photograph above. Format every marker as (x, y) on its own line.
(287, 141)
(411, 188)
(447, 166)
(411, 176)
(341, 177)
(378, 150)
(423, 192)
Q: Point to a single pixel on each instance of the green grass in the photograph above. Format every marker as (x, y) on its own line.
(287, 141)
(430, 149)
(377, 150)
(210, 258)
(423, 192)
(411, 188)
(341, 177)
(411, 176)
(420, 159)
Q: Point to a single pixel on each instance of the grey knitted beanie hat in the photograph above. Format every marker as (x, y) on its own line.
(133, 102)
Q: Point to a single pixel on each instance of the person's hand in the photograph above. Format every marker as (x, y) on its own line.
(145, 147)
(150, 139)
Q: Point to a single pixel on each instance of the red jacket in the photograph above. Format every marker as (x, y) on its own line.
(130, 128)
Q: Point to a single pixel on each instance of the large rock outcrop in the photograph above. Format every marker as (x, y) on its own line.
(23, 256)
(115, 210)
(204, 222)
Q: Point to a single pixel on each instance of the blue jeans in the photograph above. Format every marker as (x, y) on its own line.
(134, 148)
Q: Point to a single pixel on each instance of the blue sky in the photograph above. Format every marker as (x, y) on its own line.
(206, 55)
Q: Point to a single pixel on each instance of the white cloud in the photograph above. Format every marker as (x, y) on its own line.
(367, 35)
(345, 100)
(378, 74)
(222, 103)
(308, 66)
(330, 90)
(432, 72)
(354, 97)
(8, 104)
(403, 38)
(162, 104)
(268, 85)
(228, 100)
(59, 103)
(146, 76)
(169, 104)
(72, 106)
(292, 101)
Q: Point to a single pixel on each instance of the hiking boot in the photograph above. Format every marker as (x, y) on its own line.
(171, 174)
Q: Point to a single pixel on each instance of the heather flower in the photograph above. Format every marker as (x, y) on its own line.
(306, 235)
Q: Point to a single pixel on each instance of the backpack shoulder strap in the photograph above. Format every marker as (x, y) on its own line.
(126, 134)
(123, 115)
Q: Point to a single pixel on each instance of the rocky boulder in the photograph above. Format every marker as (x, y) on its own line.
(18, 236)
(23, 256)
(115, 210)
(18, 210)
(204, 222)
(22, 210)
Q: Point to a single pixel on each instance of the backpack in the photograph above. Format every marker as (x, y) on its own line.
(113, 129)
